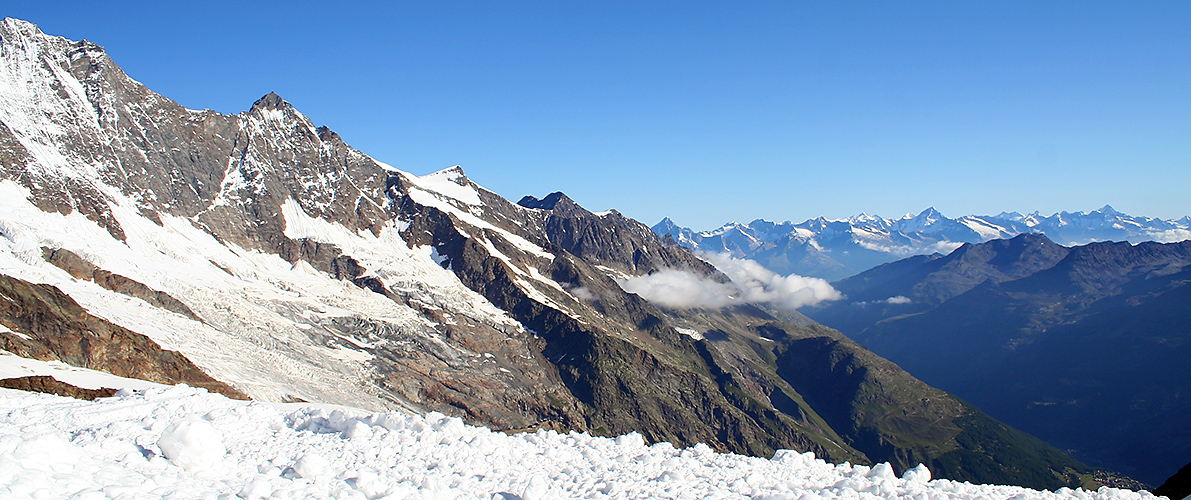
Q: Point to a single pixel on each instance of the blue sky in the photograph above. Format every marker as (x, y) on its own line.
(707, 111)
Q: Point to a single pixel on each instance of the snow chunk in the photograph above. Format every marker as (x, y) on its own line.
(313, 466)
(694, 334)
(192, 444)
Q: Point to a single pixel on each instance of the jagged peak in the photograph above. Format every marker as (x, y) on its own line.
(325, 134)
(21, 32)
(929, 212)
(665, 225)
(1108, 210)
(272, 107)
(271, 101)
(20, 26)
(548, 203)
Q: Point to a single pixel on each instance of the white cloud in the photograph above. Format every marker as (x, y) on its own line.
(898, 299)
(681, 289)
(751, 283)
(1169, 235)
(583, 293)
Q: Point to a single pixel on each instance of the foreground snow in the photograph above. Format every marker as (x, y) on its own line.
(180, 442)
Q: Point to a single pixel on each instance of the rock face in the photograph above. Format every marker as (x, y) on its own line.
(50, 385)
(1066, 343)
(311, 271)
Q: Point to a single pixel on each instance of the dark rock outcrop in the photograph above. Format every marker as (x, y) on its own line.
(51, 385)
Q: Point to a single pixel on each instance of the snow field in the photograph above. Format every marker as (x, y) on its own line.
(181, 442)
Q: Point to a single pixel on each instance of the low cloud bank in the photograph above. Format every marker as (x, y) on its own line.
(751, 284)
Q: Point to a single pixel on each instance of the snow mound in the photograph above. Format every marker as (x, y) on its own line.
(135, 445)
(192, 444)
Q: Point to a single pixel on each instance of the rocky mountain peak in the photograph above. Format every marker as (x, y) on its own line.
(270, 101)
(550, 202)
(11, 27)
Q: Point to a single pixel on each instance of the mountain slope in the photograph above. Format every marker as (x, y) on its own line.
(292, 267)
(1083, 347)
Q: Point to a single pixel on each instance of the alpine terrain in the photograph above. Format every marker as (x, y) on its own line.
(259, 255)
(1083, 346)
(838, 248)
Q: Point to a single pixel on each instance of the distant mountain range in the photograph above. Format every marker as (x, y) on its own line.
(837, 248)
(1085, 347)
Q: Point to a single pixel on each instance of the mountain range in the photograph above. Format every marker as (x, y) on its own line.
(837, 248)
(1065, 342)
(261, 256)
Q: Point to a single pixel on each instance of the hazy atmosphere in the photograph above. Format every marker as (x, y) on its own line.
(708, 112)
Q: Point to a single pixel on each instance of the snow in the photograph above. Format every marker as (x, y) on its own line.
(429, 199)
(135, 445)
(192, 443)
(270, 328)
(445, 183)
(986, 230)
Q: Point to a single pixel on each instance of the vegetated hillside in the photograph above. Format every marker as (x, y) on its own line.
(287, 264)
(1084, 347)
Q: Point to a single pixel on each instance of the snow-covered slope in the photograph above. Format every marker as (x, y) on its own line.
(228, 214)
(838, 248)
(183, 443)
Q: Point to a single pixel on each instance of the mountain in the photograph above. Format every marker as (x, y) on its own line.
(837, 248)
(1177, 486)
(291, 267)
(1084, 346)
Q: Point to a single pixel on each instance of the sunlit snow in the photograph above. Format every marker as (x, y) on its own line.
(182, 443)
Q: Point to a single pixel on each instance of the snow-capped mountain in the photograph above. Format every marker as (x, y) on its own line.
(837, 248)
(291, 267)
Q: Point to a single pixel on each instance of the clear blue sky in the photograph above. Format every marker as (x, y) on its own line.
(707, 111)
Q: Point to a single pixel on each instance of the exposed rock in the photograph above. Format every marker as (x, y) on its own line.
(50, 385)
(58, 329)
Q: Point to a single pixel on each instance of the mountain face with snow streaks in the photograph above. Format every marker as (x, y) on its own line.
(290, 266)
(838, 248)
